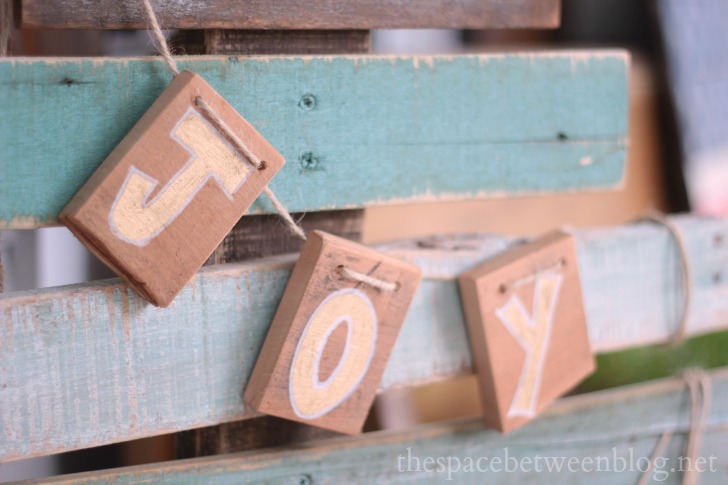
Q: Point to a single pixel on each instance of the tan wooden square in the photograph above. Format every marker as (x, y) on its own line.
(171, 190)
(331, 337)
(527, 328)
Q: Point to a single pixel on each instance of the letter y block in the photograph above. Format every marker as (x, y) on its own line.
(527, 328)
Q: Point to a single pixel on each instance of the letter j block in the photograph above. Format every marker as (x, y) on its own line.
(170, 191)
(527, 328)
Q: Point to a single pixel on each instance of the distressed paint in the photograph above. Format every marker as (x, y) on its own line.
(611, 425)
(383, 130)
(89, 364)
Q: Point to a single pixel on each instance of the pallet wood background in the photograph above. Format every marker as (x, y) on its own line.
(96, 364)
(618, 422)
(92, 364)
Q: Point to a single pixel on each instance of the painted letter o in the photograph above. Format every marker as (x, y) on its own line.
(311, 398)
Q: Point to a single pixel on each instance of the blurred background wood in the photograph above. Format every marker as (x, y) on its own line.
(293, 14)
(271, 42)
(694, 62)
(643, 189)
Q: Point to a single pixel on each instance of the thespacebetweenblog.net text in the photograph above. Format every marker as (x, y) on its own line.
(614, 461)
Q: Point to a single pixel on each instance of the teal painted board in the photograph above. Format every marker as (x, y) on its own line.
(382, 130)
(85, 365)
(604, 438)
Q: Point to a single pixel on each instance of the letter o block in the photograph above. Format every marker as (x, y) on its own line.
(310, 397)
(330, 339)
(170, 191)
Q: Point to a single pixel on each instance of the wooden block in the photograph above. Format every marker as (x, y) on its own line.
(167, 195)
(526, 355)
(331, 337)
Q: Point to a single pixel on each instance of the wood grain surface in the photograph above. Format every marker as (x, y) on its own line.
(271, 42)
(292, 14)
(370, 130)
(603, 438)
(266, 235)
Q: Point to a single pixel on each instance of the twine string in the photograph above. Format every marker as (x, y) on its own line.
(518, 282)
(381, 285)
(161, 41)
(256, 162)
(6, 14)
(658, 452)
(700, 398)
(220, 125)
(700, 387)
(686, 272)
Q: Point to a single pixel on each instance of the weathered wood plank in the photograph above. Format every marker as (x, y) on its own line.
(371, 130)
(90, 364)
(249, 434)
(266, 235)
(292, 14)
(609, 437)
(271, 42)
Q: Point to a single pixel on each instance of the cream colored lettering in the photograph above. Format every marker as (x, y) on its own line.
(533, 333)
(137, 220)
(311, 398)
